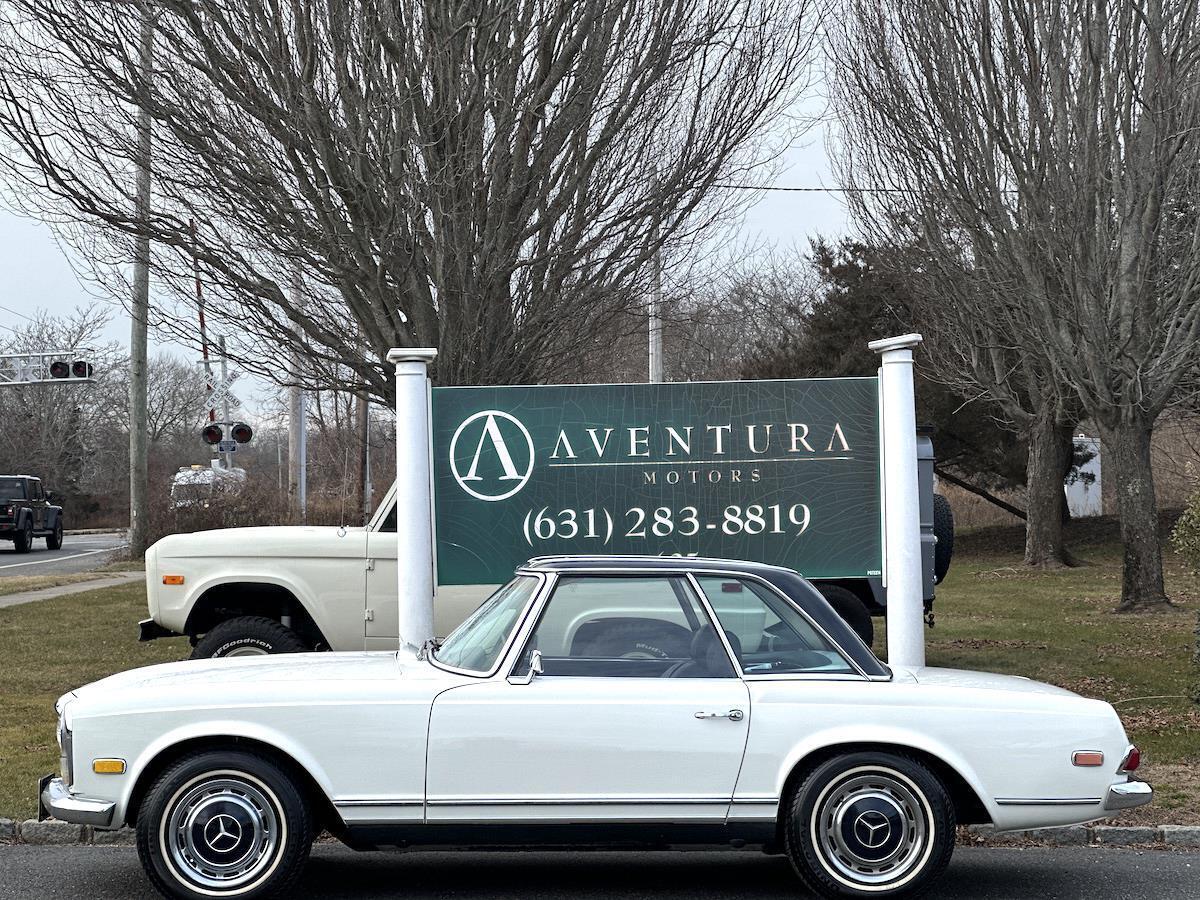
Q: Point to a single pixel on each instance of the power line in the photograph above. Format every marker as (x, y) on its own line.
(15, 313)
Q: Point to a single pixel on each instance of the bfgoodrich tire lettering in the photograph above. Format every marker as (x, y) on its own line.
(224, 824)
(249, 636)
(870, 825)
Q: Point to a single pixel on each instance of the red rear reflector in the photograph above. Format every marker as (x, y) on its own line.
(1087, 758)
(1133, 759)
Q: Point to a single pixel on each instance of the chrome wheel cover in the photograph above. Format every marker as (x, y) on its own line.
(872, 828)
(223, 832)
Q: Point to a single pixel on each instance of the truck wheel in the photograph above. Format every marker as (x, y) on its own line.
(249, 636)
(54, 539)
(847, 605)
(23, 539)
(943, 530)
(870, 825)
(224, 824)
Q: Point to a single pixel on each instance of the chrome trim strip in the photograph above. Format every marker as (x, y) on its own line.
(774, 801)
(1047, 801)
(579, 801)
(370, 803)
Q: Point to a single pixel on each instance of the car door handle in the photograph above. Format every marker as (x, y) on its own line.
(734, 715)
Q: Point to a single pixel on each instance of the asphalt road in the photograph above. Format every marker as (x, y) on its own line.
(981, 874)
(79, 553)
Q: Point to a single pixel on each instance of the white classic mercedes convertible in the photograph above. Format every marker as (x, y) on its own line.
(592, 700)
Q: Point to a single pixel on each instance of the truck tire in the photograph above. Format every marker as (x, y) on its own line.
(943, 530)
(249, 636)
(23, 539)
(847, 605)
(54, 538)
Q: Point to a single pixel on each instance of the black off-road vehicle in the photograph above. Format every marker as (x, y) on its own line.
(26, 512)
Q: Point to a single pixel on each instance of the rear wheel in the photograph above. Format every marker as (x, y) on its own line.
(23, 539)
(870, 825)
(224, 824)
(54, 538)
(249, 636)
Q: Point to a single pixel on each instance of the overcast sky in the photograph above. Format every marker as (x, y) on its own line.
(40, 277)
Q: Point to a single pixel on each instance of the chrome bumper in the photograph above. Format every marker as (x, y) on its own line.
(1128, 795)
(54, 800)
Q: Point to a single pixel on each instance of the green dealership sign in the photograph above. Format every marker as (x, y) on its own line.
(783, 472)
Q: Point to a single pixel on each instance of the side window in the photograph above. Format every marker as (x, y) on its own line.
(769, 635)
(626, 627)
(388, 525)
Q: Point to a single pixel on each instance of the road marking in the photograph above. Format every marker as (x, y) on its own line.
(41, 562)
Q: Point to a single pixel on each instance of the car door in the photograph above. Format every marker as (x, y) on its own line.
(381, 616)
(37, 505)
(638, 715)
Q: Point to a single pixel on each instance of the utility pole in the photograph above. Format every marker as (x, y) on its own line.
(140, 317)
(297, 437)
(655, 325)
(362, 416)
(226, 456)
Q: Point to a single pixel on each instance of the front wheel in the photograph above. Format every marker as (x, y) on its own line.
(224, 824)
(870, 825)
(249, 636)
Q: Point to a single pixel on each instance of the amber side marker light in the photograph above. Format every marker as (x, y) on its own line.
(172, 579)
(1087, 758)
(108, 766)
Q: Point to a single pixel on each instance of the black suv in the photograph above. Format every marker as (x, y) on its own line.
(26, 513)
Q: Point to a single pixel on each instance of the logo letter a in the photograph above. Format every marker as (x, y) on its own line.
(492, 430)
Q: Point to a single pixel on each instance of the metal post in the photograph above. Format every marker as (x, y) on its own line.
(297, 427)
(140, 318)
(901, 501)
(414, 497)
(655, 325)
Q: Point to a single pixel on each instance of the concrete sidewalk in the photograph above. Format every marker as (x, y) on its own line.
(118, 579)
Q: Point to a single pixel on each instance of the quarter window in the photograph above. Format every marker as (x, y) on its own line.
(626, 627)
(769, 635)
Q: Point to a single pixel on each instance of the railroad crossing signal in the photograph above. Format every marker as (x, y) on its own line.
(214, 433)
(47, 367)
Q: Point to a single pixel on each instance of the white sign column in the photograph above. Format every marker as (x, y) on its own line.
(414, 496)
(901, 501)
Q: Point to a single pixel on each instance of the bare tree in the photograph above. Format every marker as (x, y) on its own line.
(490, 178)
(1043, 155)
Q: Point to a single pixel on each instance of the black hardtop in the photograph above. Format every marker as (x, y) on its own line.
(789, 581)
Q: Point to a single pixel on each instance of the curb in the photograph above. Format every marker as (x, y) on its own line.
(1182, 837)
(1178, 836)
(70, 531)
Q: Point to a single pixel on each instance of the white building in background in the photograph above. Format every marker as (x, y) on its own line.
(1083, 490)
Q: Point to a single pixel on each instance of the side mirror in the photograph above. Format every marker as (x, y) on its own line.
(49, 496)
(535, 669)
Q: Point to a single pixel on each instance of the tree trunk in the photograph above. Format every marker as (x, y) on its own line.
(1048, 453)
(1128, 446)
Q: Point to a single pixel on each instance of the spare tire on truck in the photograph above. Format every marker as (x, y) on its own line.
(943, 530)
(847, 605)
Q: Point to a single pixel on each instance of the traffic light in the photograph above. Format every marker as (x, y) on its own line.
(212, 434)
(241, 432)
(79, 368)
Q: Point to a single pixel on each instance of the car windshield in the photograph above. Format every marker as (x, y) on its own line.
(12, 489)
(477, 643)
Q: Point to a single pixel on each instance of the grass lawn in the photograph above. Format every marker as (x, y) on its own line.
(991, 615)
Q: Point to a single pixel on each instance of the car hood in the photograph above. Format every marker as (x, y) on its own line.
(270, 540)
(987, 681)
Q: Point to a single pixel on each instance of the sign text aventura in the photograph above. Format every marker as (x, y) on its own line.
(777, 471)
